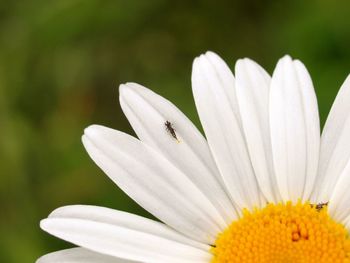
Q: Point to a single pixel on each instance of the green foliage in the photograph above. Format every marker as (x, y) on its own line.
(62, 61)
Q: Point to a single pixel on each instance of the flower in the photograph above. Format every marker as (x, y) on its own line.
(263, 187)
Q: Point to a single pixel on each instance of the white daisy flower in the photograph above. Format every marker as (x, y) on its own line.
(263, 187)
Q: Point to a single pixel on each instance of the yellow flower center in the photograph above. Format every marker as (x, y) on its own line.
(284, 233)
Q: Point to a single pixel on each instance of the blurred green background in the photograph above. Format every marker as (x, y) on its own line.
(62, 61)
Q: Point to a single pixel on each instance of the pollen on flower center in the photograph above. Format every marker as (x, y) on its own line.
(283, 233)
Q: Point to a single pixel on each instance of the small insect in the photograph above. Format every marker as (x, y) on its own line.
(169, 127)
(320, 206)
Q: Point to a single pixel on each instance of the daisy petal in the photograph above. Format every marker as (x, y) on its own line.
(79, 255)
(213, 89)
(123, 219)
(294, 126)
(122, 242)
(339, 201)
(252, 85)
(312, 126)
(148, 112)
(153, 182)
(335, 141)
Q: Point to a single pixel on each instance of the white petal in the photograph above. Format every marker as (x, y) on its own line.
(335, 145)
(123, 219)
(79, 255)
(294, 127)
(339, 202)
(122, 242)
(312, 126)
(213, 89)
(153, 182)
(253, 88)
(147, 112)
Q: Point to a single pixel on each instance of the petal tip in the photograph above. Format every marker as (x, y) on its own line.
(125, 87)
(131, 88)
(210, 53)
(122, 88)
(286, 58)
(44, 224)
(91, 130)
